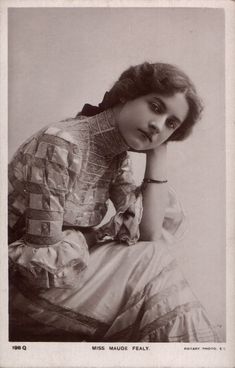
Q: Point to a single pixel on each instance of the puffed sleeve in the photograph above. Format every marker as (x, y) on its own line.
(127, 199)
(44, 172)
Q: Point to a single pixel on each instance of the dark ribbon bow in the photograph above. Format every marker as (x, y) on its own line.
(90, 110)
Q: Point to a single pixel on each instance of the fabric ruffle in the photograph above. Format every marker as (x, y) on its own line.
(124, 225)
(57, 265)
(175, 223)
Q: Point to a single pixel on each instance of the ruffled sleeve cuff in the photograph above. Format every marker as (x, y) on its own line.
(124, 225)
(59, 265)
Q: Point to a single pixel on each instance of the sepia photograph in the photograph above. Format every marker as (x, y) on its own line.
(116, 195)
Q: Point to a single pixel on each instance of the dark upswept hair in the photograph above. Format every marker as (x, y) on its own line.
(159, 78)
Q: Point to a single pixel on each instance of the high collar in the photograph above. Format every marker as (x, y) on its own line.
(105, 136)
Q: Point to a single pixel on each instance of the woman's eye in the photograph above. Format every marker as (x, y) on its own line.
(156, 108)
(172, 124)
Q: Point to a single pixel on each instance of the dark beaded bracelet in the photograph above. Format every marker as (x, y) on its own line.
(146, 180)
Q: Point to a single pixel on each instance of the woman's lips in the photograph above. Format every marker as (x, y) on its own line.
(147, 135)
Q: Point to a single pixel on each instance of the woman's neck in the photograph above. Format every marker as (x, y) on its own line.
(105, 135)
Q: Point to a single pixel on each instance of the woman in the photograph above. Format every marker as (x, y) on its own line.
(73, 281)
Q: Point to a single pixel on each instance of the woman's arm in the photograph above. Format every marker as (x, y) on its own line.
(49, 255)
(154, 194)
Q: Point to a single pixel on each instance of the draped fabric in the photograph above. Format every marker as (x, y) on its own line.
(127, 294)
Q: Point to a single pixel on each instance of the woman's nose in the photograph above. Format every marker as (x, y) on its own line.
(157, 125)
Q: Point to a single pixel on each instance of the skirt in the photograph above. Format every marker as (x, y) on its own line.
(127, 294)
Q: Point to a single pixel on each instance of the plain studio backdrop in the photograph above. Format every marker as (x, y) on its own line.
(60, 58)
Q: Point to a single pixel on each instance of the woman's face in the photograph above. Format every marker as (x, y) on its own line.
(148, 121)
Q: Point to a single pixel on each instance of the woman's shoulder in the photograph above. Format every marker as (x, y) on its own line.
(60, 143)
(71, 130)
(66, 136)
